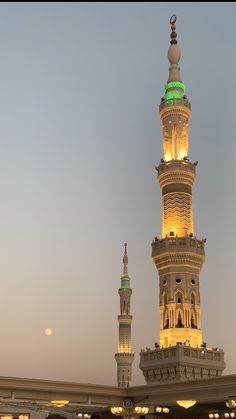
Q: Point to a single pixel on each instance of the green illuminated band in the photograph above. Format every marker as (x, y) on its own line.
(175, 84)
(125, 282)
(174, 90)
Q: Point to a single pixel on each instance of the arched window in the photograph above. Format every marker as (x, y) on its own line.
(179, 320)
(164, 298)
(193, 324)
(192, 298)
(166, 325)
(179, 297)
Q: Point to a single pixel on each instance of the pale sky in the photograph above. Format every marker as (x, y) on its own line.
(80, 85)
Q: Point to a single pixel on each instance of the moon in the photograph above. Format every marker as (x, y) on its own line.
(48, 331)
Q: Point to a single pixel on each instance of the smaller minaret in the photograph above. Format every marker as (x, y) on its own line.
(124, 357)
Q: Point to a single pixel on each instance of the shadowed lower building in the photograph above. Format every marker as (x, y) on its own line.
(178, 254)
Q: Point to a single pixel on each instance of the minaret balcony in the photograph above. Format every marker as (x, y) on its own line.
(181, 363)
(176, 172)
(125, 318)
(182, 102)
(177, 244)
(178, 251)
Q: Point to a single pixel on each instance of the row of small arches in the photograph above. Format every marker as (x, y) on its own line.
(178, 298)
(178, 281)
(180, 322)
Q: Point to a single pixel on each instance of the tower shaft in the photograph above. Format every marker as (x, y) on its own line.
(124, 357)
(178, 254)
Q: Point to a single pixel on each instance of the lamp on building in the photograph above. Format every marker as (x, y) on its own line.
(162, 410)
(141, 410)
(117, 410)
(231, 403)
(59, 403)
(137, 410)
(186, 403)
(84, 415)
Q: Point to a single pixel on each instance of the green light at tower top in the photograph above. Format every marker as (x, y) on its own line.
(125, 282)
(174, 90)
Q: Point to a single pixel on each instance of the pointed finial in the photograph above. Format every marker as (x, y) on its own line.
(174, 53)
(125, 262)
(173, 34)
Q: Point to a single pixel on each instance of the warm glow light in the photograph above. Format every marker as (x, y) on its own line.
(186, 403)
(211, 415)
(141, 410)
(226, 415)
(232, 414)
(116, 410)
(48, 331)
(23, 417)
(59, 403)
(160, 409)
(166, 410)
(6, 417)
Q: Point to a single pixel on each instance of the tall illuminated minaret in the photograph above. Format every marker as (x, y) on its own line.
(124, 357)
(178, 254)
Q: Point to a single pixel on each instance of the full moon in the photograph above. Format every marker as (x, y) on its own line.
(48, 331)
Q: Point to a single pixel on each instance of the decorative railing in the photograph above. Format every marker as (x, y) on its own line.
(175, 102)
(171, 243)
(211, 354)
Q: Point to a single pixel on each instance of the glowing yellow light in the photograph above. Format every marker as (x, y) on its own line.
(232, 414)
(6, 417)
(186, 403)
(211, 415)
(158, 409)
(166, 410)
(48, 331)
(116, 410)
(141, 410)
(23, 417)
(59, 403)
(226, 415)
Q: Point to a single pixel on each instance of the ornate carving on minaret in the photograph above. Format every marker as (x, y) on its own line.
(178, 254)
(124, 357)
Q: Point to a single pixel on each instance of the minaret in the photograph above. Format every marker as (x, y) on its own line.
(178, 254)
(124, 357)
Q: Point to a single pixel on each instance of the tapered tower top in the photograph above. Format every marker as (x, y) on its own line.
(125, 279)
(125, 262)
(174, 88)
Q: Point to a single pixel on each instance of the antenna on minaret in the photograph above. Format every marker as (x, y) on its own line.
(125, 262)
